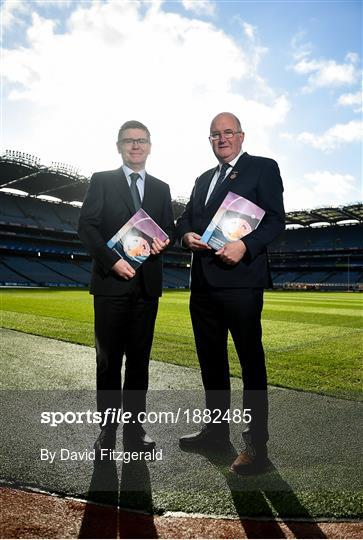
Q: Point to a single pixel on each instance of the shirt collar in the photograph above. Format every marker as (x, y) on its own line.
(234, 161)
(128, 171)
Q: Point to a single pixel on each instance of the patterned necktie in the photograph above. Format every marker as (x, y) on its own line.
(220, 178)
(134, 191)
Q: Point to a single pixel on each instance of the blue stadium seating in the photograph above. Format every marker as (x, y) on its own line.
(175, 278)
(35, 272)
(308, 256)
(38, 213)
(69, 270)
(35, 246)
(318, 239)
(11, 277)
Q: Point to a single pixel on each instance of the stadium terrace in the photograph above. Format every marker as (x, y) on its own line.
(322, 249)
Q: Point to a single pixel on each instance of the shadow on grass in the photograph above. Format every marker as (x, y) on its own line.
(124, 506)
(103, 517)
(251, 497)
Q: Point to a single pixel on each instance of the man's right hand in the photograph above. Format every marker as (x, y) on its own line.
(123, 269)
(192, 241)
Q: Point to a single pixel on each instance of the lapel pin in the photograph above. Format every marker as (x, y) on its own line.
(233, 175)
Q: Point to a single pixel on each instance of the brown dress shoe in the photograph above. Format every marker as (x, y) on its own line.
(246, 463)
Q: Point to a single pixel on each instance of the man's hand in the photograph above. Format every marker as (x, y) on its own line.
(123, 269)
(158, 245)
(232, 252)
(192, 241)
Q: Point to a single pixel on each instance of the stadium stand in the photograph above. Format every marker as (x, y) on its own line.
(39, 245)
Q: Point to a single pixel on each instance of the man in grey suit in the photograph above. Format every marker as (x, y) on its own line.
(125, 300)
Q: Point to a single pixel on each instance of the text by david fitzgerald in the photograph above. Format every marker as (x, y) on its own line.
(64, 454)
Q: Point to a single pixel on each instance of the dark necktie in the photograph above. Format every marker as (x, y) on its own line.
(220, 178)
(134, 191)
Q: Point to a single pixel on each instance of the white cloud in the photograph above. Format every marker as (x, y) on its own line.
(253, 49)
(352, 57)
(58, 4)
(10, 12)
(323, 73)
(328, 183)
(351, 100)
(300, 48)
(69, 92)
(332, 138)
(200, 7)
(327, 73)
(331, 187)
(249, 30)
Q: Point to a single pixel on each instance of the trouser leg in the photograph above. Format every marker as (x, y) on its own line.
(243, 310)
(211, 334)
(139, 340)
(110, 336)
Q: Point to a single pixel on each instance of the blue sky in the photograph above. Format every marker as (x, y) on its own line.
(73, 72)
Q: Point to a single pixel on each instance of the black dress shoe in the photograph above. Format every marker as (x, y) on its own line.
(105, 441)
(205, 438)
(137, 438)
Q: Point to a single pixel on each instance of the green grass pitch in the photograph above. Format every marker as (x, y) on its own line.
(312, 340)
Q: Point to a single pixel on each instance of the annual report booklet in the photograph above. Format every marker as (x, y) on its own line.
(235, 218)
(133, 241)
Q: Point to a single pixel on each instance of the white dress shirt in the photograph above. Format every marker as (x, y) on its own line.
(140, 182)
(216, 174)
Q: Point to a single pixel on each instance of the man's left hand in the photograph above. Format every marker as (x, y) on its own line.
(158, 245)
(232, 252)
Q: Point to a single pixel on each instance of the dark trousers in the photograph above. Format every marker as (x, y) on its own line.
(213, 313)
(124, 325)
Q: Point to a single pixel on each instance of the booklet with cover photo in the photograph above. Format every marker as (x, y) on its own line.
(235, 218)
(133, 241)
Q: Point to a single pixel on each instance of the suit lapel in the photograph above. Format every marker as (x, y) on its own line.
(148, 194)
(202, 190)
(124, 190)
(227, 184)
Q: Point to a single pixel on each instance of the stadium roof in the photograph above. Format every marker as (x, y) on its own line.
(25, 172)
(331, 215)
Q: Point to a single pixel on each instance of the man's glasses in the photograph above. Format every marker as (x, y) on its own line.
(227, 134)
(141, 142)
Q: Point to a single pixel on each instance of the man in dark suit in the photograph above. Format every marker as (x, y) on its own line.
(125, 300)
(227, 288)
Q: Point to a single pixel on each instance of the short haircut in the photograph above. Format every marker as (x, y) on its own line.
(238, 122)
(233, 116)
(132, 124)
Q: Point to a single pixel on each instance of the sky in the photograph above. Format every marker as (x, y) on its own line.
(73, 71)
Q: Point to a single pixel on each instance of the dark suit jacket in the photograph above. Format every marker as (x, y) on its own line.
(257, 179)
(108, 206)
